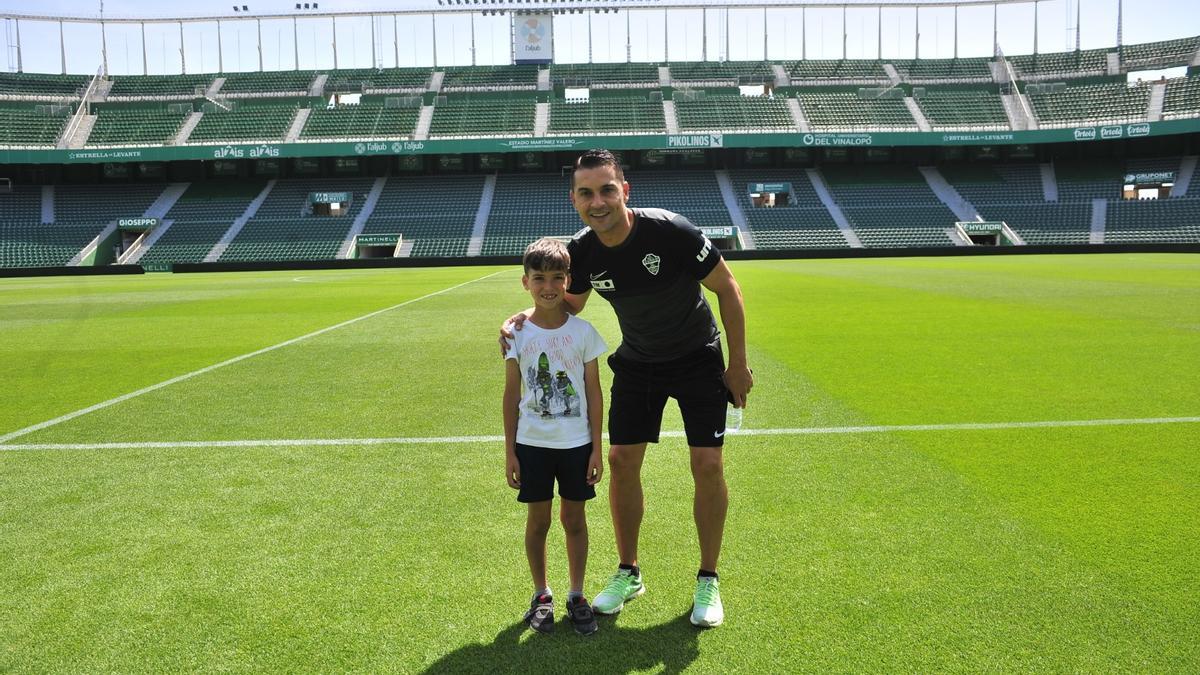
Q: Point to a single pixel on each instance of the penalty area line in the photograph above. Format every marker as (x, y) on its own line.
(228, 362)
(440, 440)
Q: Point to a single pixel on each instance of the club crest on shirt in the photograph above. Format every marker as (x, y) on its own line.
(652, 263)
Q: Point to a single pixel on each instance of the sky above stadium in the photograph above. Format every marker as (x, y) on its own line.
(638, 35)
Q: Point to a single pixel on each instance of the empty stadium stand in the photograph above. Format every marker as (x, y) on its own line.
(117, 127)
(850, 111)
(283, 229)
(199, 218)
(435, 213)
(612, 114)
(1114, 102)
(512, 221)
(733, 111)
(803, 223)
(484, 116)
(962, 109)
(360, 121)
(890, 207)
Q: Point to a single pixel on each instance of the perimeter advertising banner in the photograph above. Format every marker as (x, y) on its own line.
(533, 38)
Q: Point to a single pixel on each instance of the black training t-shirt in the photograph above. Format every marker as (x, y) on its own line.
(652, 280)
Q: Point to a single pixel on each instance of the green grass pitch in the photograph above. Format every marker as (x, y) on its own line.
(1053, 547)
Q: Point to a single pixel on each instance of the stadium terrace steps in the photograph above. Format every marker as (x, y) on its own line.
(996, 184)
(1049, 182)
(435, 214)
(917, 115)
(232, 230)
(79, 136)
(185, 130)
(821, 190)
(298, 122)
(1154, 110)
(317, 88)
(282, 229)
(199, 218)
(798, 117)
(133, 255)
(1099, 217)
(479, 228)
(891, 207)
(47, 204)
(360, 220)
(91, 246)
(734, 208)
(959, 205)
(1183, 180)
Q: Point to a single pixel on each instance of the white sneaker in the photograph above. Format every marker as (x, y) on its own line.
(707, 610)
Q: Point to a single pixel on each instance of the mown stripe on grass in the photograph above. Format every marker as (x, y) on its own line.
(307, 442)
(207, 369)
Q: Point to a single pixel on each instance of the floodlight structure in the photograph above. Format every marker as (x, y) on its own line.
(520, 10)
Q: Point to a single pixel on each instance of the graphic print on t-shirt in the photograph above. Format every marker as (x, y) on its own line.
(557, 395)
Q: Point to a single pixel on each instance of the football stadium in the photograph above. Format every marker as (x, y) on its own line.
(254, 260)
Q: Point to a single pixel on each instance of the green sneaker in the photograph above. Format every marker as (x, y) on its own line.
(622, 587)
(707, 610)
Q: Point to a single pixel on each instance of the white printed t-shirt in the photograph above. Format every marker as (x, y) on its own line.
(553, 409)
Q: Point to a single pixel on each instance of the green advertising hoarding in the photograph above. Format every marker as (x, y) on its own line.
(377, 239)
(833, 141)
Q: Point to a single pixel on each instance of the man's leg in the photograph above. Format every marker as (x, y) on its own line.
(625, 498)
(710, 503)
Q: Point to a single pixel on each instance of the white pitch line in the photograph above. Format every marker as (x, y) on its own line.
(187, 376)
(803, 431)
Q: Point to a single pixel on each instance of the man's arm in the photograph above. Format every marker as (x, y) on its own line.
(738, 378)
(595, 402)
(574, 303)
(511, 401)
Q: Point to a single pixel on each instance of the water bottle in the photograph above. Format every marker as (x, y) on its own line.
(733, 420)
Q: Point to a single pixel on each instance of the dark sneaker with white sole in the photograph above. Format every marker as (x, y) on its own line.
(540, 616)
(581, 615)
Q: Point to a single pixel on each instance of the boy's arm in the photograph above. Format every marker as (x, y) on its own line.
(595, 402)
(511, 403)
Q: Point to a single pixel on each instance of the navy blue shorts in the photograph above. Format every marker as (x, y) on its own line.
(640, 391)
(540, 467)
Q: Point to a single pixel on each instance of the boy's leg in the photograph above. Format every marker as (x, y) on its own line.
(574, 521)
(625, 498)
(537, 526)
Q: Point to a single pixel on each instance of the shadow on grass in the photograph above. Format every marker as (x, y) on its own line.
(613, 649)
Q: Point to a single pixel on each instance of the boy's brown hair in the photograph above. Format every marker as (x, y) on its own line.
(547, 255)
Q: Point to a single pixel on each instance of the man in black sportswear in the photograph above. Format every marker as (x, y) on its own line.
(649, 264)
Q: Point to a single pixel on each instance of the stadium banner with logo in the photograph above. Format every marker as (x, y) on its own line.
(533, 38)
(668, 143)
(138, 223)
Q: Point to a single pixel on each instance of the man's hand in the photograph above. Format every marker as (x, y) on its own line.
(512, 470)
(595, 468)
(739, 380)
(514, 323)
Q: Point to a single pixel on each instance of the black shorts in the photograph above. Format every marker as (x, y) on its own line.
(541, 466)
(640, 391)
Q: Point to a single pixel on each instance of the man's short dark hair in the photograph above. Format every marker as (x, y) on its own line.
(546, 255)
(596, 158)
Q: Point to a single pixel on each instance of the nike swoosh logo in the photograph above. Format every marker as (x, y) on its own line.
(718, 434)
(597, 276)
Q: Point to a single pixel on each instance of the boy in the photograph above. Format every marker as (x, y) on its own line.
(552, 427)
